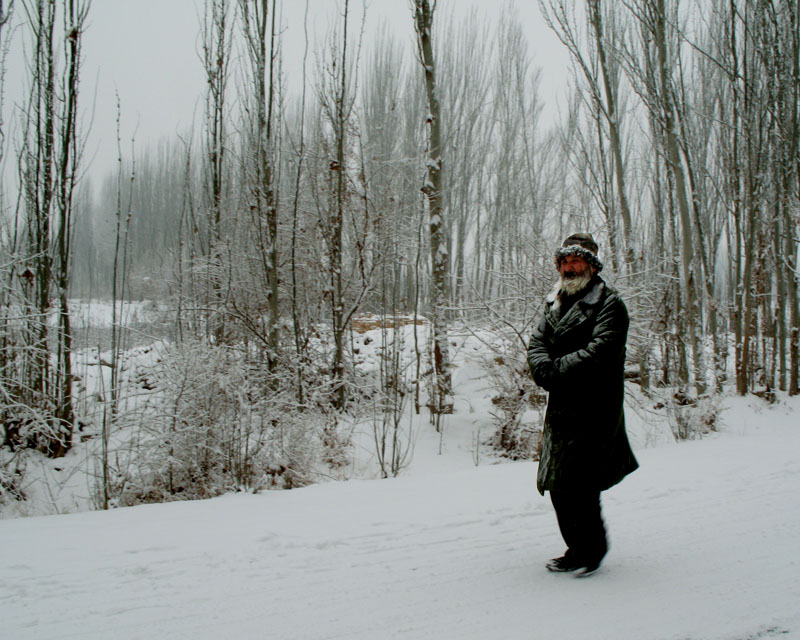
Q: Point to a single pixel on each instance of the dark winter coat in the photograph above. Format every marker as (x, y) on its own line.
(579, 359)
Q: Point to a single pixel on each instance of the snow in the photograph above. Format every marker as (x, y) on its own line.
(704, 546)
(98, 313)
(704, 541)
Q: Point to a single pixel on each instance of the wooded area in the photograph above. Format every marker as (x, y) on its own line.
(416, 184)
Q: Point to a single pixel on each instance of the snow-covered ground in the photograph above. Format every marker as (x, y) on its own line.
(704, 538)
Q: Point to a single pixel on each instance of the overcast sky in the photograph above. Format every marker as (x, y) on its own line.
(147, 51)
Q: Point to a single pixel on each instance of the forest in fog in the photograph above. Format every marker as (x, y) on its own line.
(404, 184)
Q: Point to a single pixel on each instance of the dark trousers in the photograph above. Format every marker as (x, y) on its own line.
(581, 522)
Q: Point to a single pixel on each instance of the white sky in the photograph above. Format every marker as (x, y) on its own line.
(147, 50)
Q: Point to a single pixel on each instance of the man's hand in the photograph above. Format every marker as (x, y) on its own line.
(545, 375)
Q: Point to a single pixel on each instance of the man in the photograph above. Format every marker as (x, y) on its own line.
(577, 354)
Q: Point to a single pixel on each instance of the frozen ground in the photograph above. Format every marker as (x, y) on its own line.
(704, 543)
(704, 546)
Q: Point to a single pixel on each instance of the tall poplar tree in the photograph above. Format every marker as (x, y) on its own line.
(432, 188)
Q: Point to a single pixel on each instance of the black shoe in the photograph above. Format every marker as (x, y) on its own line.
(562, 565)
(588, 570)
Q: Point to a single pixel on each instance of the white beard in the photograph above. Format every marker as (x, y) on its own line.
(571, 286)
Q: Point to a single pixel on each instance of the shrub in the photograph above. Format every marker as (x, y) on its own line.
(515, 395)
(216, 421)
(691, 418)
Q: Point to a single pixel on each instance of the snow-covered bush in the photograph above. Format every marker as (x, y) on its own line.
(391, 393)
(11, 476)
(217, 421)
(391, 358)
(516, 436)
(692, 418)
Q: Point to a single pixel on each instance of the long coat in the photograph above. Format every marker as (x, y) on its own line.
(580, 360)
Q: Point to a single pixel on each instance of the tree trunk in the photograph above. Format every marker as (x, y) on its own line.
(259, 169)
(216, 57)
(432, 188)
(611, 113)
(688, 263)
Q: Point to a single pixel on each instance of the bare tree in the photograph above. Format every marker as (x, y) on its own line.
(432, 188)
(49, 164)
(343, 222)
(258, 157)
(652, 70)
(601, 71)
(300, 332)
(10, 296)
(216, 49)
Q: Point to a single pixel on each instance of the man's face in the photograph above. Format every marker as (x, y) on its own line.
(574, 267)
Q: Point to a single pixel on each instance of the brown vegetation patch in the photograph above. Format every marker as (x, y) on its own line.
(362, 324)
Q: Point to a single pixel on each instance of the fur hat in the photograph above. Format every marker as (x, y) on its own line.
(581, 245)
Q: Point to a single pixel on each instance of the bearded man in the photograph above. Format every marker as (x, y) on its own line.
(577, 354)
